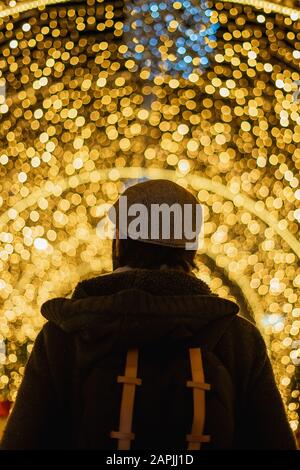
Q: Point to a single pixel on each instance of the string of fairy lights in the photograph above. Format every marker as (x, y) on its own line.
(96, 95)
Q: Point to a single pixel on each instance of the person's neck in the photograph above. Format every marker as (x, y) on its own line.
(163, 266)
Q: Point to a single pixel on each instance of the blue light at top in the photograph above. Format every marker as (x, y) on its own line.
(175, 38)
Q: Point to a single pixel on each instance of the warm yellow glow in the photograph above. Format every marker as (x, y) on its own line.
(25, 6)
(269, 7)
(82, 113)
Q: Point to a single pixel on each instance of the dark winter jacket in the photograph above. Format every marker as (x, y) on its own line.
(70, 397)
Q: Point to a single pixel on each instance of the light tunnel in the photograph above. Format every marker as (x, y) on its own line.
(90, 104)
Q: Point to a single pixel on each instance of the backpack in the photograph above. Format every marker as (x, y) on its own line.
(157, 395)
(130, 381)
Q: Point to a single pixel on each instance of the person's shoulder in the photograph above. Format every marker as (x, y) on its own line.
(90, 286)
(247, 332)
(54, 337)
(51, 329)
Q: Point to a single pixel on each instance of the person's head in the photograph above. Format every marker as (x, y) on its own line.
(157, 223)
(136, 254)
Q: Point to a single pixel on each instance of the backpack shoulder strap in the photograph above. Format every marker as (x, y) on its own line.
(199, 387)
(129, 381)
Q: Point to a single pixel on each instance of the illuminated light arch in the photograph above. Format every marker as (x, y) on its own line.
(55, 187)
(25, 6)
(239, 279)
(197, 182)
(201, 183)
(268, 7)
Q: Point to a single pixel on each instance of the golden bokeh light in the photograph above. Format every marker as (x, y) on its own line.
(89, 103)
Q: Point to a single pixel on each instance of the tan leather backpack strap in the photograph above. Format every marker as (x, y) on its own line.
(199, 386)
(129, 381)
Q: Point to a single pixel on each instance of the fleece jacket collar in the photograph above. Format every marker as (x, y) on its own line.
(135, 307)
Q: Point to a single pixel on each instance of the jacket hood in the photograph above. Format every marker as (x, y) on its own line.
(136, 307)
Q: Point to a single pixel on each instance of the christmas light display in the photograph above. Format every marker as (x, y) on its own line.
(97, 95)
